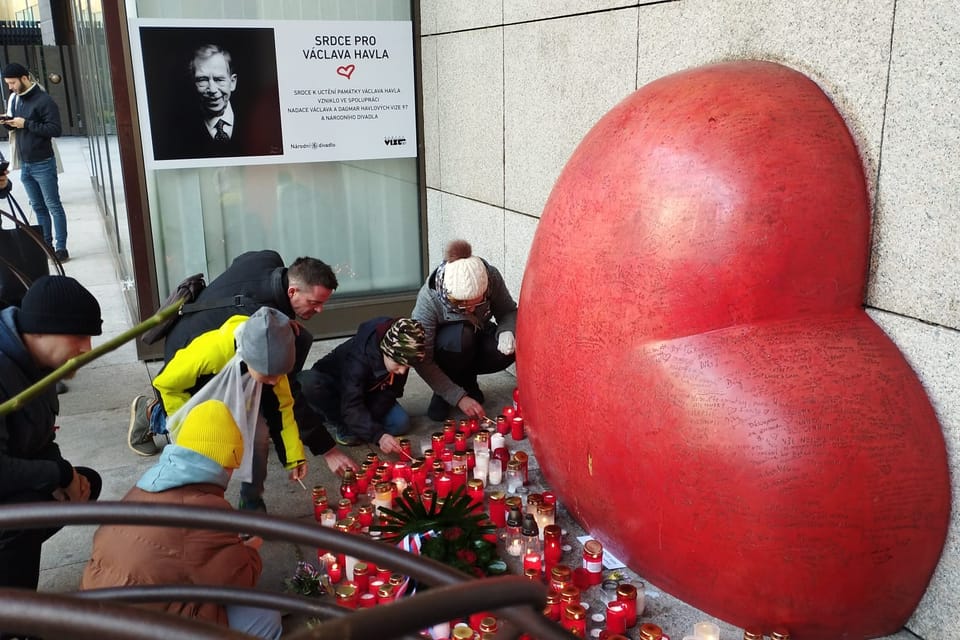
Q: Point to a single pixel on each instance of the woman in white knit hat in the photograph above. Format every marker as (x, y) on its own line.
(469, 319)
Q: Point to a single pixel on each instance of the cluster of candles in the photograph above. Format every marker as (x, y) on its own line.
(470, 455)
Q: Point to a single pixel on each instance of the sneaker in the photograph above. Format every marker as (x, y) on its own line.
(252, 504)
(139, 437)
(62, 255)
(439, 408)
(346, 439)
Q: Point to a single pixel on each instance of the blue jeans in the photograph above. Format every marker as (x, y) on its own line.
(260, 623)
(397, 421)
(40, 182)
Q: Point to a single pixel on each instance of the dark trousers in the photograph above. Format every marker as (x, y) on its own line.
(463, 352)
(20, 549)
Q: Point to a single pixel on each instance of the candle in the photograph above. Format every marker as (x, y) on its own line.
(361, 576)
(629, 595)
(367, 600)
(532, 561)
(447, 457)
(502, 425)
(480, 467)
(449, 432)
(516, 428)
(444, 485)
(498, 509)
(334, 572)
(347, 596)
(439, 441)
(460, 442)
(343, 508)
(375, 585)
(706, 631)
(497, 441)
(514, 546)
(328, 518)
(508, 413)
(401, 469)
(616, 617)
(475, 491)
(495, 472)
(481, 441)
(384, 495)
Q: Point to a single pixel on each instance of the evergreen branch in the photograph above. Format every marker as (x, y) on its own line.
(18, 401)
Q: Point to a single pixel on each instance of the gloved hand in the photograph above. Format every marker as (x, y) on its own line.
(506, 343)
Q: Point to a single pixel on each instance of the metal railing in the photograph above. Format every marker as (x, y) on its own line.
(95, 615)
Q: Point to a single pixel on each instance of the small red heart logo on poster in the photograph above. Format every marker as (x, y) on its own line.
(346, 71)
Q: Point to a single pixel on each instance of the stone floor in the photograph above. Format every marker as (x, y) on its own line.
(94, 418)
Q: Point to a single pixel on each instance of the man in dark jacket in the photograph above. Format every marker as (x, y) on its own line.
(255, 279)
(356, 386)
(5, 184)
(35, 120)
(53, 324)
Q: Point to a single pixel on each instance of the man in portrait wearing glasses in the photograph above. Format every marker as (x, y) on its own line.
(217, 129)
(469, 319)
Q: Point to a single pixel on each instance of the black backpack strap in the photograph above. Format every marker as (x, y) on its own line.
(238, 301)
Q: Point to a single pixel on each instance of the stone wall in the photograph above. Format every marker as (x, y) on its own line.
(511, 86)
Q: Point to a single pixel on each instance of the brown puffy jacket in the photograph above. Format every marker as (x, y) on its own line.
(137, 555)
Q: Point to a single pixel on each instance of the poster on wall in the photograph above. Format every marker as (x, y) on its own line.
(215, 93)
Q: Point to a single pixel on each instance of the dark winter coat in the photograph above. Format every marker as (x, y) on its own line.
(30, 460)
(41, 123)
(358, 383)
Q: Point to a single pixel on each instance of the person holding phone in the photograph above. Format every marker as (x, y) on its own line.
(34, 119)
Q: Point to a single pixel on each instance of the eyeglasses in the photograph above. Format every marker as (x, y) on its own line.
(466, 305)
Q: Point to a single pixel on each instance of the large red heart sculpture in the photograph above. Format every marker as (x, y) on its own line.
(704, 388)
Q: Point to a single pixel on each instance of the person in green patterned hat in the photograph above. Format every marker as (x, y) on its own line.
(357, 385)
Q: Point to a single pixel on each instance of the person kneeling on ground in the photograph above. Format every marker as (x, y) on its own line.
(244, 363)
(195, 471)
(356, 386)
(53, 324)
(457, 306)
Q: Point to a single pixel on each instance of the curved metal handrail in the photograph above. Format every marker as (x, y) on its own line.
(423, 569)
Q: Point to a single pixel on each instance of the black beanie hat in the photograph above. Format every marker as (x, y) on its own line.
(59, 305)
(15, 70)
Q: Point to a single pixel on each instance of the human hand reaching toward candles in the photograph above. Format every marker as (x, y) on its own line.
(388, 444)
(506, 343)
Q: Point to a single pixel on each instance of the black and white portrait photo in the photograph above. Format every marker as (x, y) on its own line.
(211, 92)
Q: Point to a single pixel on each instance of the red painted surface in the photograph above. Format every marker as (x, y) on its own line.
(700, 382)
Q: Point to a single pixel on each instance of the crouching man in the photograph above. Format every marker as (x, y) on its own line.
(53, 324)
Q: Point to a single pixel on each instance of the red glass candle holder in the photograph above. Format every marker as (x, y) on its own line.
(516, 428)
(375, 585)
(503, 426)
(533, 561)
(449, 433)
(401, 469)
(447, 458)
(343, 508)
(443, 485)
(460, 442)
(508, 413)
(474, 425)
(334, 572)
(616, 617)
(475, 491)
(498, 509)
(438, 442)
(459, 477)
(367, 600)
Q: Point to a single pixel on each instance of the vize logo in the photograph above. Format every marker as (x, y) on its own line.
(395, 141)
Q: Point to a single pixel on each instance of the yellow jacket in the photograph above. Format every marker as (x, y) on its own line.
(206, 355)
